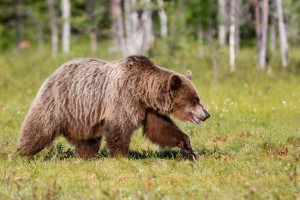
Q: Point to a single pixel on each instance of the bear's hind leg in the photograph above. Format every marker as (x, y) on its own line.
(34, 137)
(87, 148)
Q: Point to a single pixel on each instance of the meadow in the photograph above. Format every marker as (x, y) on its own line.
(248, 149)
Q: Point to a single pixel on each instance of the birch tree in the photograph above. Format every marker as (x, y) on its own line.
(66, 29)
(163, 19)
(262, 13)
(118, 27)
(137, 35)
(92, 28)
(272, 31)
(282, 34)
(232, 36)
(131, 27)
(238, 15)
(53, 26)
(147, 25)
(222, 31)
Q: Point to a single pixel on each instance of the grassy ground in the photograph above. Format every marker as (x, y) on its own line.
(249, 148)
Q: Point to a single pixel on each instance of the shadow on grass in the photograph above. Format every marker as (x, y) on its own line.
(59, 152)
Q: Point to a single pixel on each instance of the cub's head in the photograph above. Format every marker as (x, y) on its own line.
(187, 105)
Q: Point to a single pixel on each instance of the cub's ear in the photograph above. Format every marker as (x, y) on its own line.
(174, 82)
(189, 74)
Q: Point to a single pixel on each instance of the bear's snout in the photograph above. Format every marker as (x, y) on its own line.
(207, 115)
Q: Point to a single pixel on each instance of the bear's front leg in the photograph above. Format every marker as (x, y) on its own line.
(161, 129)
(117, 140)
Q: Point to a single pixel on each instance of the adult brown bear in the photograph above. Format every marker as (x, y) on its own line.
(86, 99)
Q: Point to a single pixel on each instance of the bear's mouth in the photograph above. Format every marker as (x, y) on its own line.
(196, 119)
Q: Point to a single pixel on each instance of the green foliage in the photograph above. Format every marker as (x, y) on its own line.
(249, 148)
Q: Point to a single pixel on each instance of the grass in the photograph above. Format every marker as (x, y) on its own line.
(249, 148)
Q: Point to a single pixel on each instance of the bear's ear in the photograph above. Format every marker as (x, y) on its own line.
(174, 82)
(189, 74)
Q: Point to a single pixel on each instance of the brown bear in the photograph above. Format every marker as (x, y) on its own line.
(86, 99)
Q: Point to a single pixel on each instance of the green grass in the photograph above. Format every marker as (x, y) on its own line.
(249, 148)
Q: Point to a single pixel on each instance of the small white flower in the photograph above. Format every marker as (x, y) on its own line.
(284, 103)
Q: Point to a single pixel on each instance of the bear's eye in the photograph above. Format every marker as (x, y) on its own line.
(195, 101)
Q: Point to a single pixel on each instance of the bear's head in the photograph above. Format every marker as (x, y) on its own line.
(187, 105)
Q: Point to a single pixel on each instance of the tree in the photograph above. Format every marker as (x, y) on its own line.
(137, 35)
(163, 19)
(222, 32)
(92, 29)
(272, 26)
(118, 27)
(53, 26)
(238, 16)
(232, 36)
(282, 34)
(146, 18)
(133, 37)
(262, 13)
(65, 7)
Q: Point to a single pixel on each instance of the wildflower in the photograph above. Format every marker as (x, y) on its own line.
(284, 103)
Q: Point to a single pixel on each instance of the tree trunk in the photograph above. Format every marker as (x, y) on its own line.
(130, 27)
(163, 19)
(136, 34)
(264, 29)
(282, 34)
(53, 26)
(92, 28)
(118, 26)
(237, 24)
(232, 36)
(258, 24)
(262, 13)
(273, 26)
(65, 7)
(222, 22)
(147, 24)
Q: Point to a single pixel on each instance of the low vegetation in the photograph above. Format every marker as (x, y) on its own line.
(249, 148)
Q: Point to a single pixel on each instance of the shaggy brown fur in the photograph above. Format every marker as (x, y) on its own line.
(86, 99)
(161, 130)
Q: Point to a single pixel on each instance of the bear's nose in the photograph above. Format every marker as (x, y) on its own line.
(207, 115)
